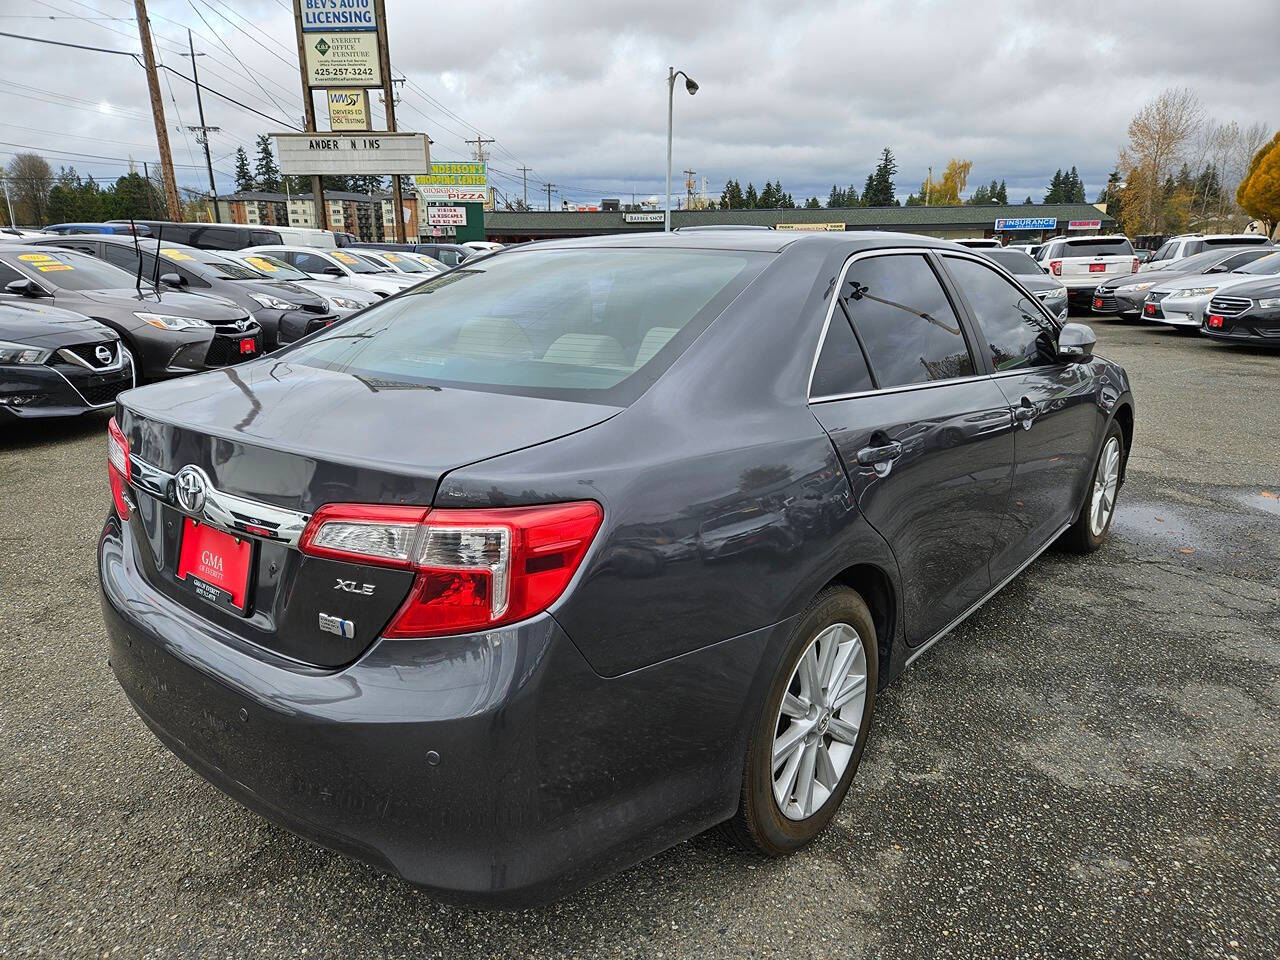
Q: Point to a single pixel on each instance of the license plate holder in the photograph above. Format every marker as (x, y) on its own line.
(247, 346)
(215, 565)
(1097, 268)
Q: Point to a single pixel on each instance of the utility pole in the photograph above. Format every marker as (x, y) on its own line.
(928, 187)
(202, 132)
(157, 111)
(549, 186)
(480, 141)
(309, 123)
(389, 94)
(688, 188)
(524, 176)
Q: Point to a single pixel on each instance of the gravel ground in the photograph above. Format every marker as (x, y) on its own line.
(1088, 767)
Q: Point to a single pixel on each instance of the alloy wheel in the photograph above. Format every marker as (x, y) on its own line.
(818, 721)
(1105, 483)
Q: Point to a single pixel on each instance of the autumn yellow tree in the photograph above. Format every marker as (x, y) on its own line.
(946, 192)
(1159, 135)
(1259, 192)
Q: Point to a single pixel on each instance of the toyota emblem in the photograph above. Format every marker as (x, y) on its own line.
(190, 487)
(103, 353)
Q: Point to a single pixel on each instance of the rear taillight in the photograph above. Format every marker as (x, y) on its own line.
(1136, 263)
(475, 568)
(1056, 267)
(118, 467)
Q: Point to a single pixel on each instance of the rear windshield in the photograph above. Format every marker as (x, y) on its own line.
(1234, 241)
(1098, 247)
(1015, 261)
(592, 325)
(1265, 266)
(64, 270)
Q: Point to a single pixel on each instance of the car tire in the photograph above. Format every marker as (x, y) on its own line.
(836, 616)
(1087, 534)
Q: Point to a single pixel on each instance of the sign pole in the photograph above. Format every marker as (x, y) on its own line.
(389, 95)
(309, 120)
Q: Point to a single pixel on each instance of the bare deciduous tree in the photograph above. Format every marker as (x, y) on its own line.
(30, 179)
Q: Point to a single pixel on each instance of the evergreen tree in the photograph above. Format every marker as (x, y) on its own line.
(1001, 194)
(881, 190)
(785, 201)
(731, 198)
(244, 176)
(837, 197)
(981, 197)
(267, 174)
(1027, 202)
(768, 196)
(1055, 192)
(813, 203)
(852, 198)
(914, 201)
(751, 199)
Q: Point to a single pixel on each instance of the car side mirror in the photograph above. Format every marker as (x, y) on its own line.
(173, 280)
(333, 272)
(1076, 342)
(1218, 269)
(24, 288)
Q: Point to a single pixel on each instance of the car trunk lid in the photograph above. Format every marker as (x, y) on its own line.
(268, 454)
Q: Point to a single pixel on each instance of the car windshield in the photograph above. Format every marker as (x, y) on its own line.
(209, 265)
(404, 263)
(1015, 261)
(65, 270)
(358, 264)
(1098, 247)
(1264, 266)
(272, 268)
(1199, 262)
(597, 325)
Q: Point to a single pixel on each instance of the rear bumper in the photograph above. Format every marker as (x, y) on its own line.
(545, 775)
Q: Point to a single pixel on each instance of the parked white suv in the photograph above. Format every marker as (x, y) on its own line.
(1176, 248)
(343, 266)
(1081, 263)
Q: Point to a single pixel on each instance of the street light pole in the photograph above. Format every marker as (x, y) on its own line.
(691, 85)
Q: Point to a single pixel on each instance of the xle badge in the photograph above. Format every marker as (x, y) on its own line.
(338, 626)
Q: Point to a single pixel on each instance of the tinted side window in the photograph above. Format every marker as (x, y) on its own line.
(123, 257)
(841, 367)
(1192, 247)
(310, 263)
(8, 275)
(1164, 253)
(904, 320)
(1017, 334)
(258, 238)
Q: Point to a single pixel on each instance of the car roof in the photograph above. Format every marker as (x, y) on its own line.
(765, 241)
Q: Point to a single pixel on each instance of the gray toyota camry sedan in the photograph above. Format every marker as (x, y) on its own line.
(580, 549)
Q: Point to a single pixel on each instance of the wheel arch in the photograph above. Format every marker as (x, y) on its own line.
(1123, 416)
(877, 589)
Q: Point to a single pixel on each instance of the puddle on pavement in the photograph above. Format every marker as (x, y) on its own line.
(1265, 500)
(1181, 529)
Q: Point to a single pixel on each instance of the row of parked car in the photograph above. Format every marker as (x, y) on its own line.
(88, 312)
(1226, 286)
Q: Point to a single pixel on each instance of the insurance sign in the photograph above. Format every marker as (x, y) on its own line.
(319, 16)
(1027, 223)
(352, 154)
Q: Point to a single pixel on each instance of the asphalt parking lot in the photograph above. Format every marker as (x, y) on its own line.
(1088, 767)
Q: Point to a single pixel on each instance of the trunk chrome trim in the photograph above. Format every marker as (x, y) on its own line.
(919, 651)
(226, 511)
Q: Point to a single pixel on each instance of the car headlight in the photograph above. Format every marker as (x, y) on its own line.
(1270, 303)
(274, 303)
(343, 303)
(20, 353)
(1059, 294)
(167, 322)
(1193, 292)
(1135, 287)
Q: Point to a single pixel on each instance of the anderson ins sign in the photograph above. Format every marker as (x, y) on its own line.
(352, 153)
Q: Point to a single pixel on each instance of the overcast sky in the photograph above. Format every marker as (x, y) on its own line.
(801, 90)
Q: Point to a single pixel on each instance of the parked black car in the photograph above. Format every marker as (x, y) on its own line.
(169, 334)
(1246, 313)
(55, 363)
(547, 564)
(450, 254)
(285, 311)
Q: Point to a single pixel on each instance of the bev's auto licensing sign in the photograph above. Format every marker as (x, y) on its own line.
(319, 16)
(352, 153)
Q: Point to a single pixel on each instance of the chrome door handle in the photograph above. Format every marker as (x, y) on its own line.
(1025, 413)
(880, 458)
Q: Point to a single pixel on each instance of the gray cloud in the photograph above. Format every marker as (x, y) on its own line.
(807, 91)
